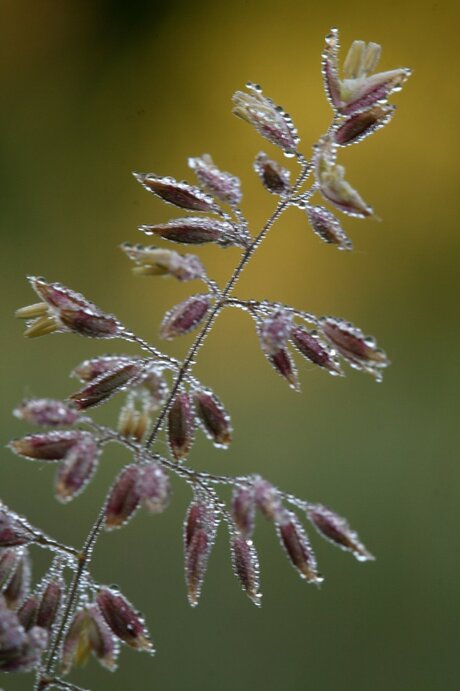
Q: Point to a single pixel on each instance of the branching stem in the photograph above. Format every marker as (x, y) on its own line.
(43, 677)
(220, 304)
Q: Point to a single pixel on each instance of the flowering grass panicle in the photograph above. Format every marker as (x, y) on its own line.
(52, 626)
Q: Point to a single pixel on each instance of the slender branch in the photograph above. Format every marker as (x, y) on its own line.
(55, 682)
(201, 478)
(162, 358)
(43, 540)
(84, 559)
(255, 305)
(212, 285)
(181, 470)
(158, 355)
(55, 546)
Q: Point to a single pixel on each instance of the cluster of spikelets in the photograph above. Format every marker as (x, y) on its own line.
(72, 622)
(27, 616)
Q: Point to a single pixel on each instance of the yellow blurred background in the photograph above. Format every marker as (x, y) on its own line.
(91, 91)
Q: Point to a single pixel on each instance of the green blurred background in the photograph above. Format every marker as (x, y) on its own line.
(93, 90)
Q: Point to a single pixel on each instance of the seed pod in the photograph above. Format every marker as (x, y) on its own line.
(9, 558)
(184, 317)
(199, 535)
(46, 412)
(28, 657)
(140, 427)
(274, 332)
(213, 417)
(66, 310)
(14, 531)
(267, 499)
(246, 566)
(135, 416)
(90, 369)
(181, 426)
(335, 189)
(50, 446)
(19, 584)
(362, 124)
(57, 295)
(50, 602)
(156, 488)
(223, 186)
(123, 620)
(266, 117)
(76, 470)
(330, 69)
(106, 385)
(85, 323)
(197, 517)
(196, 564)
(76, 648)
(158, 261)
(359, 350)
(20, 651)
(179, 194)
(298, 548)
(157, 388)
(27, 612)
(244, 510)
(358, 90)
(88, 633)
(337, 530)
(275, 178)
(37, 639)
(12, 637)
(124, 498)
(283, 364)
(376, 88)
(195, 231)
(327, 227)
(103, 644)
(310, 346)
(127, 418)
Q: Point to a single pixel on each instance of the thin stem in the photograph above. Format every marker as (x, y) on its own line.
(158, 355)
(212, 285)
(84, 559)
(160, 358)
(55, 546)
(61, 684)
(42, 540)
(203, 479)
(242, 223)
(255, 305)
(181, 470)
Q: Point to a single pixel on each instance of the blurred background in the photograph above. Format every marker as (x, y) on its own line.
(94, 90)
